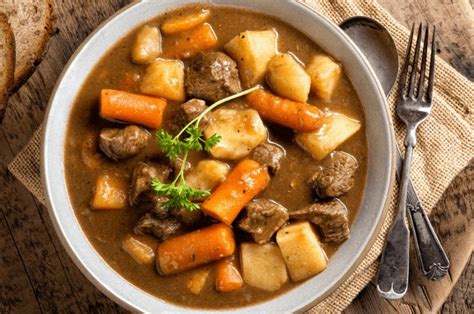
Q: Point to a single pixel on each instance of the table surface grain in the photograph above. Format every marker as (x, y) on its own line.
(36, 274)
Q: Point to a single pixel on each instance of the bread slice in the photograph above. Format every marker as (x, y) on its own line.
(7, 62)
(32, 25)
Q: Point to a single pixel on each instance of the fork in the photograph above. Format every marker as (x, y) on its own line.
(413, 107)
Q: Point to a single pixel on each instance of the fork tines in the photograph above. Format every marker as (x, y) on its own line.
(411, 68)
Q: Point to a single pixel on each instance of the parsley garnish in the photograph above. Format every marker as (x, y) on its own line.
(178, 192)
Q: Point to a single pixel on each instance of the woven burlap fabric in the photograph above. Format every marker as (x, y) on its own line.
(445, 143)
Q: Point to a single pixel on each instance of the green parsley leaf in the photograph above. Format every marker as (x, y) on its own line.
(178, 192)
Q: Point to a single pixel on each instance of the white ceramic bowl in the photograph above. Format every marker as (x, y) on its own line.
(324, 33)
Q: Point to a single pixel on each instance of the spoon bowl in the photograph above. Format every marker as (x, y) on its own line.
(377, 45)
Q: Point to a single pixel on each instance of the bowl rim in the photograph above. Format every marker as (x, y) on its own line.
(50, 155)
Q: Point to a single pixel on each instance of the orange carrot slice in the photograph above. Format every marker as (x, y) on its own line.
(187, 44)
(124, 106)
(243, 183)
(228, 277)
(295, 115)
(195, 249)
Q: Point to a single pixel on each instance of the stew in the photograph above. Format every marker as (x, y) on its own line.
(216, 151)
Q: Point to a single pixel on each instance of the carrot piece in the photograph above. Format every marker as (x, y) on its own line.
(243, 183)
(228, 277)
(189, 43)
(144, 110)
(296, 115)
(195, 249)
(185, 22)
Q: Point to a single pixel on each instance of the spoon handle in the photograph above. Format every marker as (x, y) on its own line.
(432, 259)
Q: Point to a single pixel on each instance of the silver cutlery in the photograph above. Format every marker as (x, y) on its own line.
(378, 46)
(413, 107)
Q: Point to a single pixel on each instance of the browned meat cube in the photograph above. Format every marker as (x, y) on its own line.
(212, 76)
(152, 203)
(143, 175)
(160, 228)
(264, 218)
(123, 143)
(268, 155)
(188, 218)
(187, 112)
(336, 176)
(330, 216)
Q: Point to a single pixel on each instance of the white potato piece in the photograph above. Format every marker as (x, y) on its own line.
(240, 131)
(287, 78)
(325, 74)
(110, 192)
(336, 129)
(207, 174)
(197, 280)
(141, 252)
(164, 78)
(147, 45)
(301, 251)
(252, 50)
(263, 266)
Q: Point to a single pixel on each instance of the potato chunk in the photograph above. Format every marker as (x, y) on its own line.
(147, 45)
(141, 252)
(207, 174)
(240, 131)
(301, 251)
(287, 78)
(252, 50)
(197, 280)
(110, 192)
(164, 78)
(325, 74)
(181, 23)
(263, 266)
(336, 129)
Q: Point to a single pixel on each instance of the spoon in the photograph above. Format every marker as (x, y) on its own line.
(378, 46)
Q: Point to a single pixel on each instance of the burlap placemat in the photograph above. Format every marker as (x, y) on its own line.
(445, 143)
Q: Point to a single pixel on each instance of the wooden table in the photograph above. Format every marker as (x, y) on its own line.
(36, 274)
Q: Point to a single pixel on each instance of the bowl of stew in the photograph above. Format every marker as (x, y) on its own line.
(232, 155)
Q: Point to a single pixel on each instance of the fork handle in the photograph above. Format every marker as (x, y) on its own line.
(432, 259)
(392, 280)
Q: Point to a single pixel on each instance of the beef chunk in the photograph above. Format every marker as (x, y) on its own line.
(162, 222)
(160, 228)
(123, 143)
(187, 112)
(264, 218)
(151, 202)
(336, 176)
(330, 216)
(269, 155)
(143, 175)
(212, 76)
(188, 218)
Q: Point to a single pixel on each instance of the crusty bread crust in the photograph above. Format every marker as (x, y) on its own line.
(7, 62)
(32, 25)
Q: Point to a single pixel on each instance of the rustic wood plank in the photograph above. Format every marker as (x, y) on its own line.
(462, 296)
(13, 276)
(39, 256)
(454, 21)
